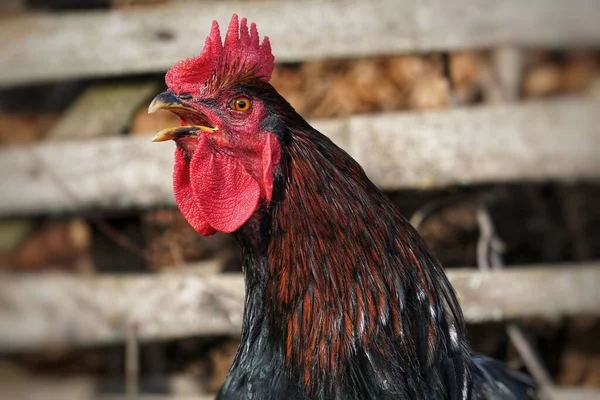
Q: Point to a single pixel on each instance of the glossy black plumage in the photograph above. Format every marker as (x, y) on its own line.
(344, 300)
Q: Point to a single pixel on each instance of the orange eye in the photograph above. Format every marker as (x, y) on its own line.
(241, 103)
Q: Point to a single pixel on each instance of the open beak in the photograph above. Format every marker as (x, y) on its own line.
(169, 101)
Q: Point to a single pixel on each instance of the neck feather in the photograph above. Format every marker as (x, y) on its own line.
(343, 274)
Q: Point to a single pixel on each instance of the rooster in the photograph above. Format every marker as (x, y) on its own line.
(343, 298)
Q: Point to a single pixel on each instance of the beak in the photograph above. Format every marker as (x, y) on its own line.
(169, 101)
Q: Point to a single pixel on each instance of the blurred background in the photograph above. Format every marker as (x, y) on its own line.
(480, 119)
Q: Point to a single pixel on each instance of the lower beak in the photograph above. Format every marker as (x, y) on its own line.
(180, 132)
(169, 101)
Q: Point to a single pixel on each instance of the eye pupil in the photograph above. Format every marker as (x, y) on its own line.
(241, 104)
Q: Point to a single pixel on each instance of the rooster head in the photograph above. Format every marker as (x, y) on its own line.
(226, 154)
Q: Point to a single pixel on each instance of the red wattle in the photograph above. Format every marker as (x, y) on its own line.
(185, 198)
(223, 190)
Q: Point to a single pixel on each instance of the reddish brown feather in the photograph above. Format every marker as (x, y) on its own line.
(338, 313)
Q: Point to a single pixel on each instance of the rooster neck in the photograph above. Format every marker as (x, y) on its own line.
(339, 285)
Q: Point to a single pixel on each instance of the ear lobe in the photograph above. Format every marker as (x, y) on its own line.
(225, 193)
(270, 159)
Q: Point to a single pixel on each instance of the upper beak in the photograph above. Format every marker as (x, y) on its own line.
(169, 101)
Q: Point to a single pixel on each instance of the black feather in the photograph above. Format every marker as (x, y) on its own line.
(344, 300)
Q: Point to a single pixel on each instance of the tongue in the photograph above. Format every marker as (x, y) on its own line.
(224, 193)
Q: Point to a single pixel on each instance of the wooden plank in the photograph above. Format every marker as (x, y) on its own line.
(527, 292)
(44, 47)
(557, 140)
(37, 310)
(575, 394)
(102, 110)
(31, 387)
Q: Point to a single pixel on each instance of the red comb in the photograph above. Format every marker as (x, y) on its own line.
(242, 53)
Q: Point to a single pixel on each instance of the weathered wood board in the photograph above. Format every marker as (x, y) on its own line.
(47, 47)
(537, 141)
(38, 310)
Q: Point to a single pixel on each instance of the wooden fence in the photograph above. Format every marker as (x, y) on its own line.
(509, 141)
